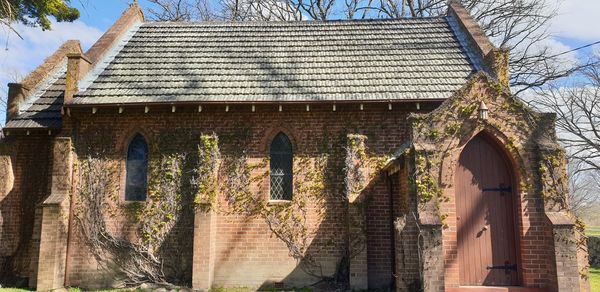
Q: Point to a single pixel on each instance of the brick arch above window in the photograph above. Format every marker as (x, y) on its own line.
(125, 136)
(270, 134)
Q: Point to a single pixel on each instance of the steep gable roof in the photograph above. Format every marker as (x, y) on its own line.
(45, 86)
(137, 62)
(310, 61)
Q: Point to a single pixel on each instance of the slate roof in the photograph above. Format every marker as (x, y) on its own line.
(41, 109)
(284, 62)
(309, 61)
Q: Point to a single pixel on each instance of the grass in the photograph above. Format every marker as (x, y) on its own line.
(70, 290)
(592, 231)
(595, 279)
(134, 290)
(243, 289)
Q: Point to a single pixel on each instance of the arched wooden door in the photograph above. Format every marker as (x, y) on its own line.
(487, 242)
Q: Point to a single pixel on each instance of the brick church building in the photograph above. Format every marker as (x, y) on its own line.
(364, 155)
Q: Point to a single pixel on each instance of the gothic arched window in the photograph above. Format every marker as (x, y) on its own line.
(136, 182)
(282, 158)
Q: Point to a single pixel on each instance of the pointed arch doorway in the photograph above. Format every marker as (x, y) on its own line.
(486, 229)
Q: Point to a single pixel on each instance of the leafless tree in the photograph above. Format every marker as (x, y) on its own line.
(224, 10)
(177, 10)
(3, 97)
(13, 76)
(577, 106)
(276, 10)
(522, 27)
(583, 187)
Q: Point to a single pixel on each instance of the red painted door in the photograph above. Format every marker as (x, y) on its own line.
(485, 217)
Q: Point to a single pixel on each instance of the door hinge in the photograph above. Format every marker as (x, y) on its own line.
(498, 189)
(505, 267)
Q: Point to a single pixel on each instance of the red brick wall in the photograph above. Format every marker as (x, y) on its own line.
(247, 253)
(407, 251)
(30, 157)
(380, 244)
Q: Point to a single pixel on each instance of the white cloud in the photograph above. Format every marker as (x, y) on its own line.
(556, 47)
(577, 19)
(20, 56)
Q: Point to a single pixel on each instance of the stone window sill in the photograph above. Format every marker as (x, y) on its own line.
(279, 202)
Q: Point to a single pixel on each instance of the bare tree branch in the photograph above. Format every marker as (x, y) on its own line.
(577, 108)
(583, 187)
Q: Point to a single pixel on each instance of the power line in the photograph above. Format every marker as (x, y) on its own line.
(575, 49)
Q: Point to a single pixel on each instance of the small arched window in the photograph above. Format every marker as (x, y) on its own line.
(136, 182)
(281, 168)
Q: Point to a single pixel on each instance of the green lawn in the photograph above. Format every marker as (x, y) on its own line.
(70, 290)
(242, 289)
(592, 231)
(595, 279)
(134, 290)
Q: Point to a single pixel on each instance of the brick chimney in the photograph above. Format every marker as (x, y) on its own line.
(80, 64)
(77, 66)
(18, 92)
(494, 59)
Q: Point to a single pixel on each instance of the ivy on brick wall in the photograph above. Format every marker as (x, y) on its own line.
(163, 207)
(97, 188)
(207, 171)
(226, 184)
(554, 179)
(314, 188)
(440, 134)
(356, 164)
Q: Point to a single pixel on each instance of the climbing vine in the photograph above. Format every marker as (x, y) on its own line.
(554, 186)
(136, 262)
(426, 184)
(163, 207)
(207, 171)
(289, 222)
(554, 190)
(356, 162)
(231, 183)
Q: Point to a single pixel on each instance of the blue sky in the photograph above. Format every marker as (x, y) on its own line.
(573, 27)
